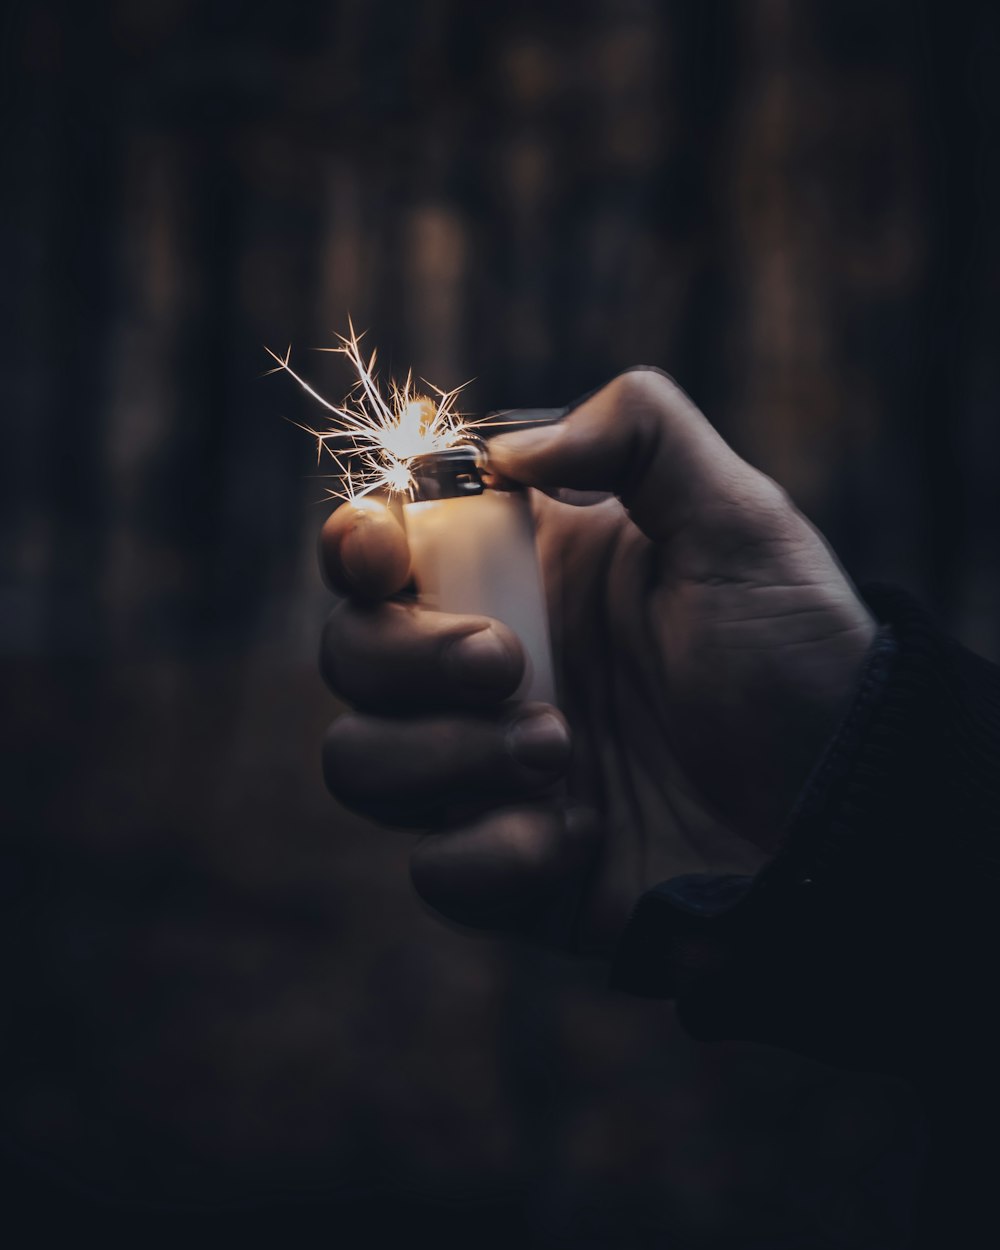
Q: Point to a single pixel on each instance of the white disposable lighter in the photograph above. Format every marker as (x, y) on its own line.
(473, 552)
(472, 547)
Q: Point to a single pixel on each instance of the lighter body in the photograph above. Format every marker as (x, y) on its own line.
(474, 553)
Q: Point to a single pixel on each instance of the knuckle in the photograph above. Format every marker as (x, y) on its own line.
(771, 503)
(341, 660)
(329, 649)
(773, 496)
(344, 768)
(643, 389)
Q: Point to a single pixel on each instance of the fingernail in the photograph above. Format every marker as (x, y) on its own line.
(539, 741)
(480, 659)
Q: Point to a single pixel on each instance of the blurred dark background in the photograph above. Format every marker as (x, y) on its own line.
(223, 1012)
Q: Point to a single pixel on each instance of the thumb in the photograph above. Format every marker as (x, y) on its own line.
(641, 438)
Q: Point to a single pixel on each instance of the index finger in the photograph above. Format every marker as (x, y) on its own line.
(363, 552)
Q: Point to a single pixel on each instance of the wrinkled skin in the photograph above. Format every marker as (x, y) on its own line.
(707, 642)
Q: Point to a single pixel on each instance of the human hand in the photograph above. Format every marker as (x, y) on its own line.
(707, 640)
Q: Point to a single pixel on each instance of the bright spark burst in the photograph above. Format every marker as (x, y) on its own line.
(373, 439)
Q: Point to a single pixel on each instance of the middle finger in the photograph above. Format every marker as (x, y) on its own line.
(409, 772)
(398, 657)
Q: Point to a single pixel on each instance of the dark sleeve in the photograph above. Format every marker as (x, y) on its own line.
(871, 938)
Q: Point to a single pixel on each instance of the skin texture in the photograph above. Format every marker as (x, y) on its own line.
(707, 643)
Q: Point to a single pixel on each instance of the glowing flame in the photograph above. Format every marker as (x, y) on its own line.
(372, 439)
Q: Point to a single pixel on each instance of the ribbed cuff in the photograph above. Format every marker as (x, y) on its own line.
(678, 935)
